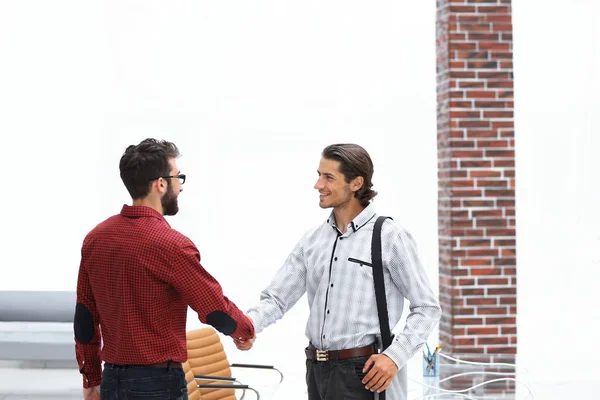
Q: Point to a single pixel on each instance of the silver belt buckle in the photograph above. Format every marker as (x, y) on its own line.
(322, 355)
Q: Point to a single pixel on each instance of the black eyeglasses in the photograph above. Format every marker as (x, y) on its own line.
(181, 178)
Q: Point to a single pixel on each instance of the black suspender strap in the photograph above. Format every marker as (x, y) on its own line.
(384, 322)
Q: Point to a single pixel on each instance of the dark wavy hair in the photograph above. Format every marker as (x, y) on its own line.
(354, 161)
(143, 162)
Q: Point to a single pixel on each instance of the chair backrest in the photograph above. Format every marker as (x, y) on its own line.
(193, 391)
(206, 356)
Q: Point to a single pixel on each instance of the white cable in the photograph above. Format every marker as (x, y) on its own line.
(467, 389)
(476, 363)
(476, 386)
(464, 396)
(457, 392)
(464, 374)
(477, 373)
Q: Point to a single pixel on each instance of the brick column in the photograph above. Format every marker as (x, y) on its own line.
(476, 179)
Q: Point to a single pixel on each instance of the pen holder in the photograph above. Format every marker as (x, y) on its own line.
(431, 365)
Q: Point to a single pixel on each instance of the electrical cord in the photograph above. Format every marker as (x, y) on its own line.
(442, 395)
(476, 363)
(476, 373)
(459, 392)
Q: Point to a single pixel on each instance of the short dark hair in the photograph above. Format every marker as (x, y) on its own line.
(354, 161)
(140, 164)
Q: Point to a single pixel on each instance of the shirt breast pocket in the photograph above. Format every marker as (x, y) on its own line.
(359, 262)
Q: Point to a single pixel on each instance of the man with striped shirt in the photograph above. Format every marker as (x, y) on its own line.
(332, 264)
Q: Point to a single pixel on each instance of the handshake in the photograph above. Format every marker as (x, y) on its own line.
(245, 344)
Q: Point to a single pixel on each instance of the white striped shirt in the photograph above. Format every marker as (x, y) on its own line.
(334, 269)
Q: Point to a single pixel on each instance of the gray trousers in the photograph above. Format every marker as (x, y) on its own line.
(337, 380)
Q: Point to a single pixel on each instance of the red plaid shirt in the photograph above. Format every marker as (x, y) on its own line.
(137, 277)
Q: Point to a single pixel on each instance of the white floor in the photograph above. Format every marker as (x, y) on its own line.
(17, 383)
(53, 384)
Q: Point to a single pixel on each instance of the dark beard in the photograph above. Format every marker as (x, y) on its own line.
(169, 202)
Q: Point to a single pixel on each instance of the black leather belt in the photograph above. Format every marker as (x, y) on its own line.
(164, 364)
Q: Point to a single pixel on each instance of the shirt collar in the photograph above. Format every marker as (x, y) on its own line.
(141, 211)
(359, 221)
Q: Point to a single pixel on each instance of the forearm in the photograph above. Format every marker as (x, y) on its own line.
(215, 309)
(419, 324)
(90, 364)
(286, 288)
(282, 293)
(230, 321)
(86, 327)
(87, 343)
(205, 295)
(265, 313)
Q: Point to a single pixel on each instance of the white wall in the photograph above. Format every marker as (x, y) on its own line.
(557, 49)
(251, 93)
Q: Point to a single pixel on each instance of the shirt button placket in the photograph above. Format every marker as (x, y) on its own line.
(328, 310)
(328, 297)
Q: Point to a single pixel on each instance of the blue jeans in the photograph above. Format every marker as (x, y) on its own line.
(132, 382)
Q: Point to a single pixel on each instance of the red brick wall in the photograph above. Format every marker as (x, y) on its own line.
(476, 178)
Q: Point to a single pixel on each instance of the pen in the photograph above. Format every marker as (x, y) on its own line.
(435, 352)
(428, 351)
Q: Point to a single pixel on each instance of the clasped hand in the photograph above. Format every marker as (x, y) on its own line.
(245, 344)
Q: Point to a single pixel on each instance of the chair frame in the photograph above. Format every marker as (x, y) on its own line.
(233, 383)
(238, 385)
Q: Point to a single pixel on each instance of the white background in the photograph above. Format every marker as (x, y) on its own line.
(557, 49)
(251, 93)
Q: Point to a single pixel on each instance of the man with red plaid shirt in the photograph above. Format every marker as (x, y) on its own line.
(136, 279)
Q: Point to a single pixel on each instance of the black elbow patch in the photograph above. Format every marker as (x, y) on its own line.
(83, 324)
(222, 322)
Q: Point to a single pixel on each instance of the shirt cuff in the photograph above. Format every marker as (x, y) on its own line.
(397, 354)
(245, 329)
(256, 321)
(92, 379)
